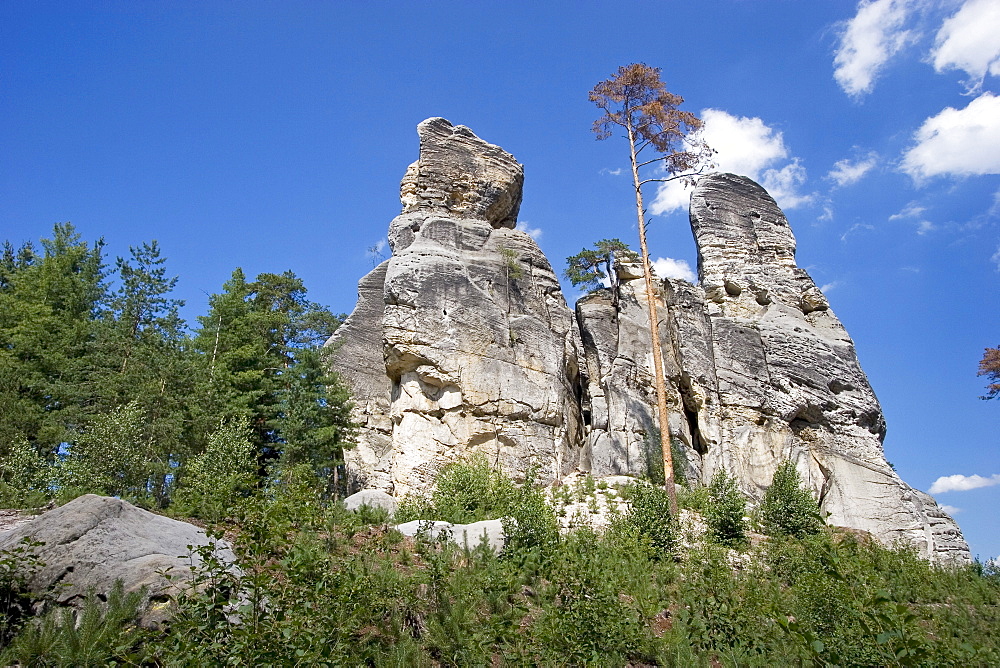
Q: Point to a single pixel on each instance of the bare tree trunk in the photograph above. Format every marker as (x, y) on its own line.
(654, 331)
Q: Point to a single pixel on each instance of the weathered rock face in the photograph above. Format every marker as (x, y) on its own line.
(760, 370)
(478, 348)
(92, 541)
(462, 342)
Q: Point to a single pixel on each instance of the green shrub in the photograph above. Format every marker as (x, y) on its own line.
(212, 484)
(25, 477)
(112, 457)
(788, 508)
(471, 490)
(16, 567)
(529, 522)
(647, 520)
(726, 511)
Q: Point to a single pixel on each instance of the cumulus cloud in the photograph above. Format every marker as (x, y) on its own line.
(951, 510)
(668, 267)
(829, 286)
(957, 142)
(962, 483)
(744, 146)
(784, 183)
(845, 172)
(533, 232)
(913, 213)
(970, 41)
(867, 42)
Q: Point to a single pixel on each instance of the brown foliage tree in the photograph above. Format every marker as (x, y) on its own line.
(989, 366)
(637, 101)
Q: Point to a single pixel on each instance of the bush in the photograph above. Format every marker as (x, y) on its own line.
(788, 508)
(112, 457)
(24, 477)
(648, 519)
(212, 484)
(97, 635)
(726, 511)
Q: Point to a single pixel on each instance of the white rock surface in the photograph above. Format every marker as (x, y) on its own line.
(469, 535)
(478, 347)
(373, 498)
(462, 342)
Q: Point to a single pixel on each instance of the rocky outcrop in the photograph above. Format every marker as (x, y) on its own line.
(760, 370)
(478, 347)
(462, 342)
(92, 541)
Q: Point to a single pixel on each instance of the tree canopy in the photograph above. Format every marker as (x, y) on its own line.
(103, 388)
(989, 366)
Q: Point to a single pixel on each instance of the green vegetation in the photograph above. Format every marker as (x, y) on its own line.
(320, 586)
(726, 511)
(788, 509)
(236, 424)
(104, 389)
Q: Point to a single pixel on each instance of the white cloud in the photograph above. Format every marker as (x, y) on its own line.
(911, 210)
(829, 286)
(613, 172)
(962, 483)
(783, 185)
(996, 258)
(845, 172)
(958, 142)
(376, 252)
(854, 228)
(868, 41)
(951, 510)
(533, 232)
(743, 146)
(970, 41)
(668, 267)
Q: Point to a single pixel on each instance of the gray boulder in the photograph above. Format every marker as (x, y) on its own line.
(373, 498)
(92, 541)
(461, 534)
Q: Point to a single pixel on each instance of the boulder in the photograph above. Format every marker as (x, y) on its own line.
(373, 498)
(92, 541)
(469, 535)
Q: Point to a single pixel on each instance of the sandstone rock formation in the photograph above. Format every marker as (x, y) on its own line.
(92, 541)
(761, 370)
(462, 342)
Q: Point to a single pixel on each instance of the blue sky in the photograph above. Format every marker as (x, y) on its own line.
(272, 136)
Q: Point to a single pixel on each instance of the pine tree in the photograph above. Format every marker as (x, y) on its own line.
(260, 348)
(48, 303)
(637, 101)
(989, 366)
(590, 268)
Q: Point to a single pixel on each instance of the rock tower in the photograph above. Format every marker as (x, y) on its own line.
(462, 342)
